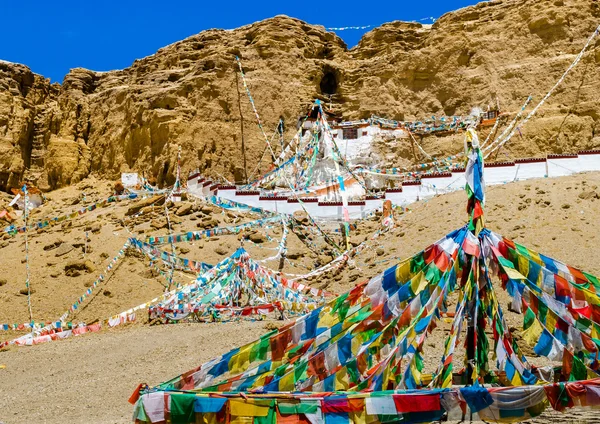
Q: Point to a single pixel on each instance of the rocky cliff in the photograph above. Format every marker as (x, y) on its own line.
(498, 52)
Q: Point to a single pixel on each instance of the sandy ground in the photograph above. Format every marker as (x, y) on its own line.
(89, 378)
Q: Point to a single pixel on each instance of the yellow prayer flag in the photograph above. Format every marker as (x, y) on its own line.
(418, 283)
(533, 333)
(523, 265)
(535, 257)
(359, 417)
(403, 272)
(287, 382)
(550, 320)
(341, 379)
(513, 274)
(250, 407)
(206, 418)
(240, 361)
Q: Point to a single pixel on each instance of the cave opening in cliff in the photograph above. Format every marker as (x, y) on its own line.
(329, 83)
(165, 172)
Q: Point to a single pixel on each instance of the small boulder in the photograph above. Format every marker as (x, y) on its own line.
(159, 223)
(354, 275)
(221, 250)
(63, 249)
(207, 210)
(587, 195)
(184, 209)
(207, 223)
(3, 282)
(294, 254)
(79, 265)
(150, 201)
(257, 238)
(53, 245)
(301, 217)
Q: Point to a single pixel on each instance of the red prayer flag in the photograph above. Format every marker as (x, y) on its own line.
(561, 286)
(417, 403)
(279, 343)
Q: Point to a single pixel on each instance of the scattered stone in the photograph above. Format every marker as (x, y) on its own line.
(147, 209)
(257, 238)
(24, 291)
(103, 255)
(207, 210)
(270, 326)
(150, 201)
(184, 209)
(380, 251)
(207, 223)
(294, 254)
(354, 275)
(107, 293)
(221, 250)
(587, 195)
(184, 250)
(159, 223)
(3, 282)
(566, 206)
(301, 217)
(63, 249)
(53, 245)
(79, 265)
(149, 273)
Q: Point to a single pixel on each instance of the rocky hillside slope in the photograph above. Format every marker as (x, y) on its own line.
(185, 94)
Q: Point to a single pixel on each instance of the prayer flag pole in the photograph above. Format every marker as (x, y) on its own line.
(27, 278)
(476, 198)
(237, 87)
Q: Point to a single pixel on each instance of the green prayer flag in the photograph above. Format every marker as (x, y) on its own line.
(528, 319)
(182, 408)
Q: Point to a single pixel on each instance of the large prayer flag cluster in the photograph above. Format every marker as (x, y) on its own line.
(360, 357)
(236, 286)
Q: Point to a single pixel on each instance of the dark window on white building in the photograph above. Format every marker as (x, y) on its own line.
(349, 133)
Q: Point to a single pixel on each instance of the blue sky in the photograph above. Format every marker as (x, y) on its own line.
(53, 36)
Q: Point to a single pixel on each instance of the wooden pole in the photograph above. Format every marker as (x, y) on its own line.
(237, 87)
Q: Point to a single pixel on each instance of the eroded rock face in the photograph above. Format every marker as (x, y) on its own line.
(185, 94)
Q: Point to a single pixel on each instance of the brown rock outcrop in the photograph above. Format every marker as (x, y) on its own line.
(185, 95)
